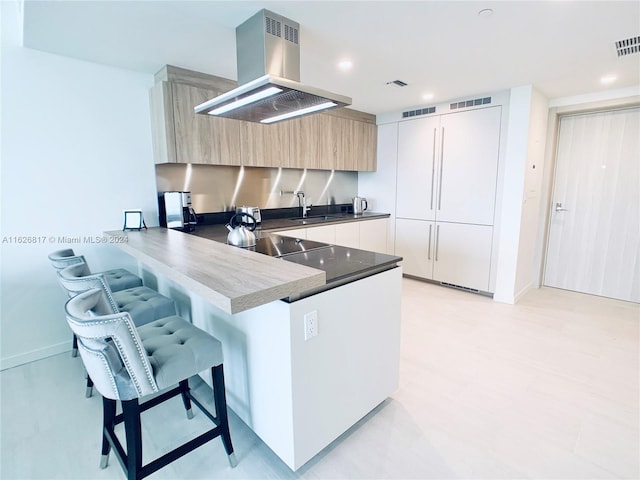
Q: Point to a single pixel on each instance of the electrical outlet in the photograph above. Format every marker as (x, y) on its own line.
(310, 324)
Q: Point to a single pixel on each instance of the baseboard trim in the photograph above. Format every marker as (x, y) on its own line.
(33, 355)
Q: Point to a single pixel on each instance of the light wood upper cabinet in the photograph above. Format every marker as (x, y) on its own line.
(264, 145)
(181, 136)
(336, 140)
(305, 142)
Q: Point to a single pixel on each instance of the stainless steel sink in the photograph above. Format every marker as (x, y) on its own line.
(314, 219)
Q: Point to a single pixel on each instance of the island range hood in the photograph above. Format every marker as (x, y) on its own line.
(268, 56)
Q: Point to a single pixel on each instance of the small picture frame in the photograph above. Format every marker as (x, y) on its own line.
(133, 220)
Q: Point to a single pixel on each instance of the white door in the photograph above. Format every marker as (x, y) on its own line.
(415, 244)
(594, 233)
(468, 166)
(416, 178)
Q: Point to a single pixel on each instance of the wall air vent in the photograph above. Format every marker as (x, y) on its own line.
(628, 46)
(420, 111)
(470, 103)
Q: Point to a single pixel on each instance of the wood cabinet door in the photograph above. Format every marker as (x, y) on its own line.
(304, 142)
(265, 145)
(416, 180)
(202, 138)
(462, 255)
(414, 243)
(468, 166)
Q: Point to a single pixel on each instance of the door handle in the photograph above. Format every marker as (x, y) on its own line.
(429, 250)
(559, 208)
(437, 240)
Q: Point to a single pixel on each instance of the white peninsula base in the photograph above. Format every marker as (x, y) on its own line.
(299, 395)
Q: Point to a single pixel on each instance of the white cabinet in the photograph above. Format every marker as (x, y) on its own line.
(446, 193)
(417, 168)
(462, 254)
(364, 234)
(453, 253)
(373, 235)
(468, 168)
(414, 243)
(348, 234)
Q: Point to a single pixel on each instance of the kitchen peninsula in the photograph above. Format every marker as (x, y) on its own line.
(298, 373)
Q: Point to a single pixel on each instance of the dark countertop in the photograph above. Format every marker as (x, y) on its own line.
(219, 232)
(340, 264)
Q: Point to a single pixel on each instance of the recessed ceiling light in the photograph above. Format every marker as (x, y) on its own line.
(485, 12)
(427, 96)
(608, 79)
(345, 64)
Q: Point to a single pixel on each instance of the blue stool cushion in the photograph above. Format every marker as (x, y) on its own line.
(177, 350)
(144, 305)
(121, 279)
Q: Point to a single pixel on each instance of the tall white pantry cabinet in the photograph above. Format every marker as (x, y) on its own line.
(446, 194)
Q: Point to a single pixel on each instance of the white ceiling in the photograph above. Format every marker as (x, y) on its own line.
(439, 47)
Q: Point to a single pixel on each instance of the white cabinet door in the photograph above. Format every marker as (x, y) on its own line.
(296, 233)
(417, 165)
(468, 166)
(463, 255)
(373, 235)
(324, 233)
(414, 243)
(348, 234)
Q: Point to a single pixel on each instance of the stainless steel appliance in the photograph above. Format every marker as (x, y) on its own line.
(359, 205)
(253, 211)
(241, 230)
(176, 211)
(268, 61)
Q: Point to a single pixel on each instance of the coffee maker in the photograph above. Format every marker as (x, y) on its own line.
(176, 211)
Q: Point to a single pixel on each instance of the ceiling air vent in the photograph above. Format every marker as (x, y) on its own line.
(628, 46)
(470, 103)
(420, 111)
(290, 34)
(397, 83)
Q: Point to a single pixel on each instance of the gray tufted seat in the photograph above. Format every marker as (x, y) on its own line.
(117, 278)
(129, 363)
(173, 345)
(144, 304)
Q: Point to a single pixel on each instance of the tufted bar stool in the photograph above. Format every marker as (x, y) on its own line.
(129, 364)
(117, 279)
(143, 304)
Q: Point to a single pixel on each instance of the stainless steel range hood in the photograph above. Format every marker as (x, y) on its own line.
(268, 56)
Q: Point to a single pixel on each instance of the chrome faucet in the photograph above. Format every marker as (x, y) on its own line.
(302, 202)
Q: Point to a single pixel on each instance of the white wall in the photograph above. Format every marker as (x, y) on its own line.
(379, 187)
(76, 151)
(521, 200)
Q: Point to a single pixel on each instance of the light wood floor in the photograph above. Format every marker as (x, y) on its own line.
(548, 388)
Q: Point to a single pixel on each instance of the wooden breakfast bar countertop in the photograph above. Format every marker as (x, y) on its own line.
(229, 277)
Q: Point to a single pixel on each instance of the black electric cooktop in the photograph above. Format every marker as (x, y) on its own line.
(277, 246)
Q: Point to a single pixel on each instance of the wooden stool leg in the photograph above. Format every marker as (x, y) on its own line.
(108, 425)
(133, 434)
(220, 399)
(184, 390)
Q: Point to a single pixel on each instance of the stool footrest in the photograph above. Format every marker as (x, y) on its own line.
(174, 454)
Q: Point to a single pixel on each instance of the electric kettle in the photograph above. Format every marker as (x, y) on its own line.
(241, 232)
(359, 205)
